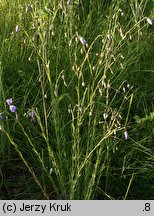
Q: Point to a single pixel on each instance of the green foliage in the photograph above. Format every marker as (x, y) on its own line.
(84, 68)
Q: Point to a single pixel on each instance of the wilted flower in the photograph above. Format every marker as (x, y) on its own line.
(13, 108)
(1, 116)
(9, 101)
(28, 8)
(51, 171)
(104, 116)
(109, 37)
(68, 2)
(122, 13)
(126, 135)
(83, 83)
(149, 21)
(17, 28)
(108, 86)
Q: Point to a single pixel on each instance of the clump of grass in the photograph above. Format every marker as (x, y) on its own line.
(70, 83)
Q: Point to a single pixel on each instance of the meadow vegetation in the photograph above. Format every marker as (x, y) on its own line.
(76, 99)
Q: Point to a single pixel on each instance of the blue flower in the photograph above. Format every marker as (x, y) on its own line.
(13, 108)
(17, 28)
(82, 40)
(32, 114)
(126, 135)
(9, 101)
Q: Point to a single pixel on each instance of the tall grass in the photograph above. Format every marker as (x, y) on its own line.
(70, 67)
